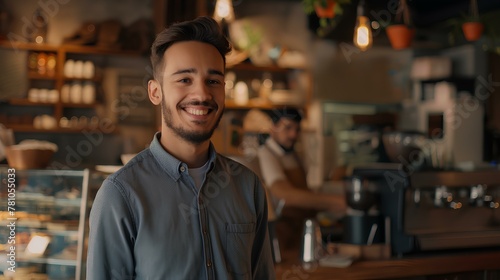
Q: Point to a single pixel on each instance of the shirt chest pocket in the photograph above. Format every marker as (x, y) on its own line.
(239, 242)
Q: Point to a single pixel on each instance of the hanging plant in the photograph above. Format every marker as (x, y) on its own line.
(401, 33)
(473, 27)
(326, 10)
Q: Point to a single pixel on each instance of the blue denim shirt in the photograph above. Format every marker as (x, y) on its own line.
(148, 221)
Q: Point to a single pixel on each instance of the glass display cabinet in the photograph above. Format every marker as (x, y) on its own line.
(44, 223)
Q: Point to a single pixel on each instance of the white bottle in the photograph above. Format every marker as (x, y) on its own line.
(88, 93)
(241, 93)
(75, 94)
(88, 70)
(34, 95)
(43, 95)
(78, 69)
(69, 67)
(65, 91)
(53, 96)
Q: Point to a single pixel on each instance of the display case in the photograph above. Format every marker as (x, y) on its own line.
(44, 223)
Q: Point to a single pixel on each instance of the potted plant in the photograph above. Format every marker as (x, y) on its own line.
(401, 33)
(325, 10)
(473, 28)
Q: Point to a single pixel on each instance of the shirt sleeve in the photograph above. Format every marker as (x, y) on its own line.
(111, 236)
(262, 260)
(270, 168)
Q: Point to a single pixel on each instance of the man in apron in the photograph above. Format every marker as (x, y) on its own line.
(282, 172)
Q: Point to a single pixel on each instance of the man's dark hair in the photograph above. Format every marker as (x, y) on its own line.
(289, 113)
(202, 29)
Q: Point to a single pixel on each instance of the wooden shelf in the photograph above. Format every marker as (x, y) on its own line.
(256, 104)
(28, 46)
(30, 128)
(79, 105)
(251, 67)
(252, 104)
(26, 102)
(62, 53)
(94, 79)
(97, 50)
(36, 76)
(247, 71)
(76, 49)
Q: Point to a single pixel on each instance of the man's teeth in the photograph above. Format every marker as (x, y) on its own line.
(196, 111)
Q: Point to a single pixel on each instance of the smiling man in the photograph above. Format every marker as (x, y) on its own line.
(179, 210)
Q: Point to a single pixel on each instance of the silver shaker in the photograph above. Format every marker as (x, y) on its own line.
(312, 244)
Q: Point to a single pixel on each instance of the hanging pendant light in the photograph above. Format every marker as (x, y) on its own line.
(224, 11)
(363, 38)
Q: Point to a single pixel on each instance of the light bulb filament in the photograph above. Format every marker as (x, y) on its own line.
(363, 34)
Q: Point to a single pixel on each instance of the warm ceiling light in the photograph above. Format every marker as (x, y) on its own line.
(362, 31)
(224, 10)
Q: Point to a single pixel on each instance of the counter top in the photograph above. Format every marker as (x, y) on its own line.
(291, 268)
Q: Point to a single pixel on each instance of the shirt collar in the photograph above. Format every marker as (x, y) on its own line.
(275, 147)
(174, 167)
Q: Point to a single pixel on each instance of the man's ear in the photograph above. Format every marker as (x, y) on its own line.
(154, 92)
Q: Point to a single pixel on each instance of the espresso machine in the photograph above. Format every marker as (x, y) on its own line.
(436, 210)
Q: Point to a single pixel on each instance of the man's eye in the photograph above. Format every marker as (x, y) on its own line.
(214, 82)
(185, 80)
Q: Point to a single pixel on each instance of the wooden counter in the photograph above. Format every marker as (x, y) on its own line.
(406, 267)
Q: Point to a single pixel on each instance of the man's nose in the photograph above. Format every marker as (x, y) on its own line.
(202, 91)
(293, 134)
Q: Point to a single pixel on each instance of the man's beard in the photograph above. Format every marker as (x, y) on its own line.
(190, 136)
(287, 150)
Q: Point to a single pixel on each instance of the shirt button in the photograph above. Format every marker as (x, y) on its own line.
(209, 264)
(183, 168)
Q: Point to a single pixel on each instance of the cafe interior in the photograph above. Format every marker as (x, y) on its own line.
(398, 100)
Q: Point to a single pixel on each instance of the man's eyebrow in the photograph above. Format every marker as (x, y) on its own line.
(184, 71)
(193, 70)
(215, 72)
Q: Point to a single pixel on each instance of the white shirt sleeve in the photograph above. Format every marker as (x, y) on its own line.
(270, 168)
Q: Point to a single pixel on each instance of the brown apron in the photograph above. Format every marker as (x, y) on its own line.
(290, 223)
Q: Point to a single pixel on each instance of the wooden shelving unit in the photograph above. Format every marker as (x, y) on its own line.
(58, 79)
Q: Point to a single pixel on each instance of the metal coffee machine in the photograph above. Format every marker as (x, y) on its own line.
(437, 210)
(363, 220)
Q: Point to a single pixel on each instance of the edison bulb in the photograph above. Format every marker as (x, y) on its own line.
(363, 33)
(224, 10)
